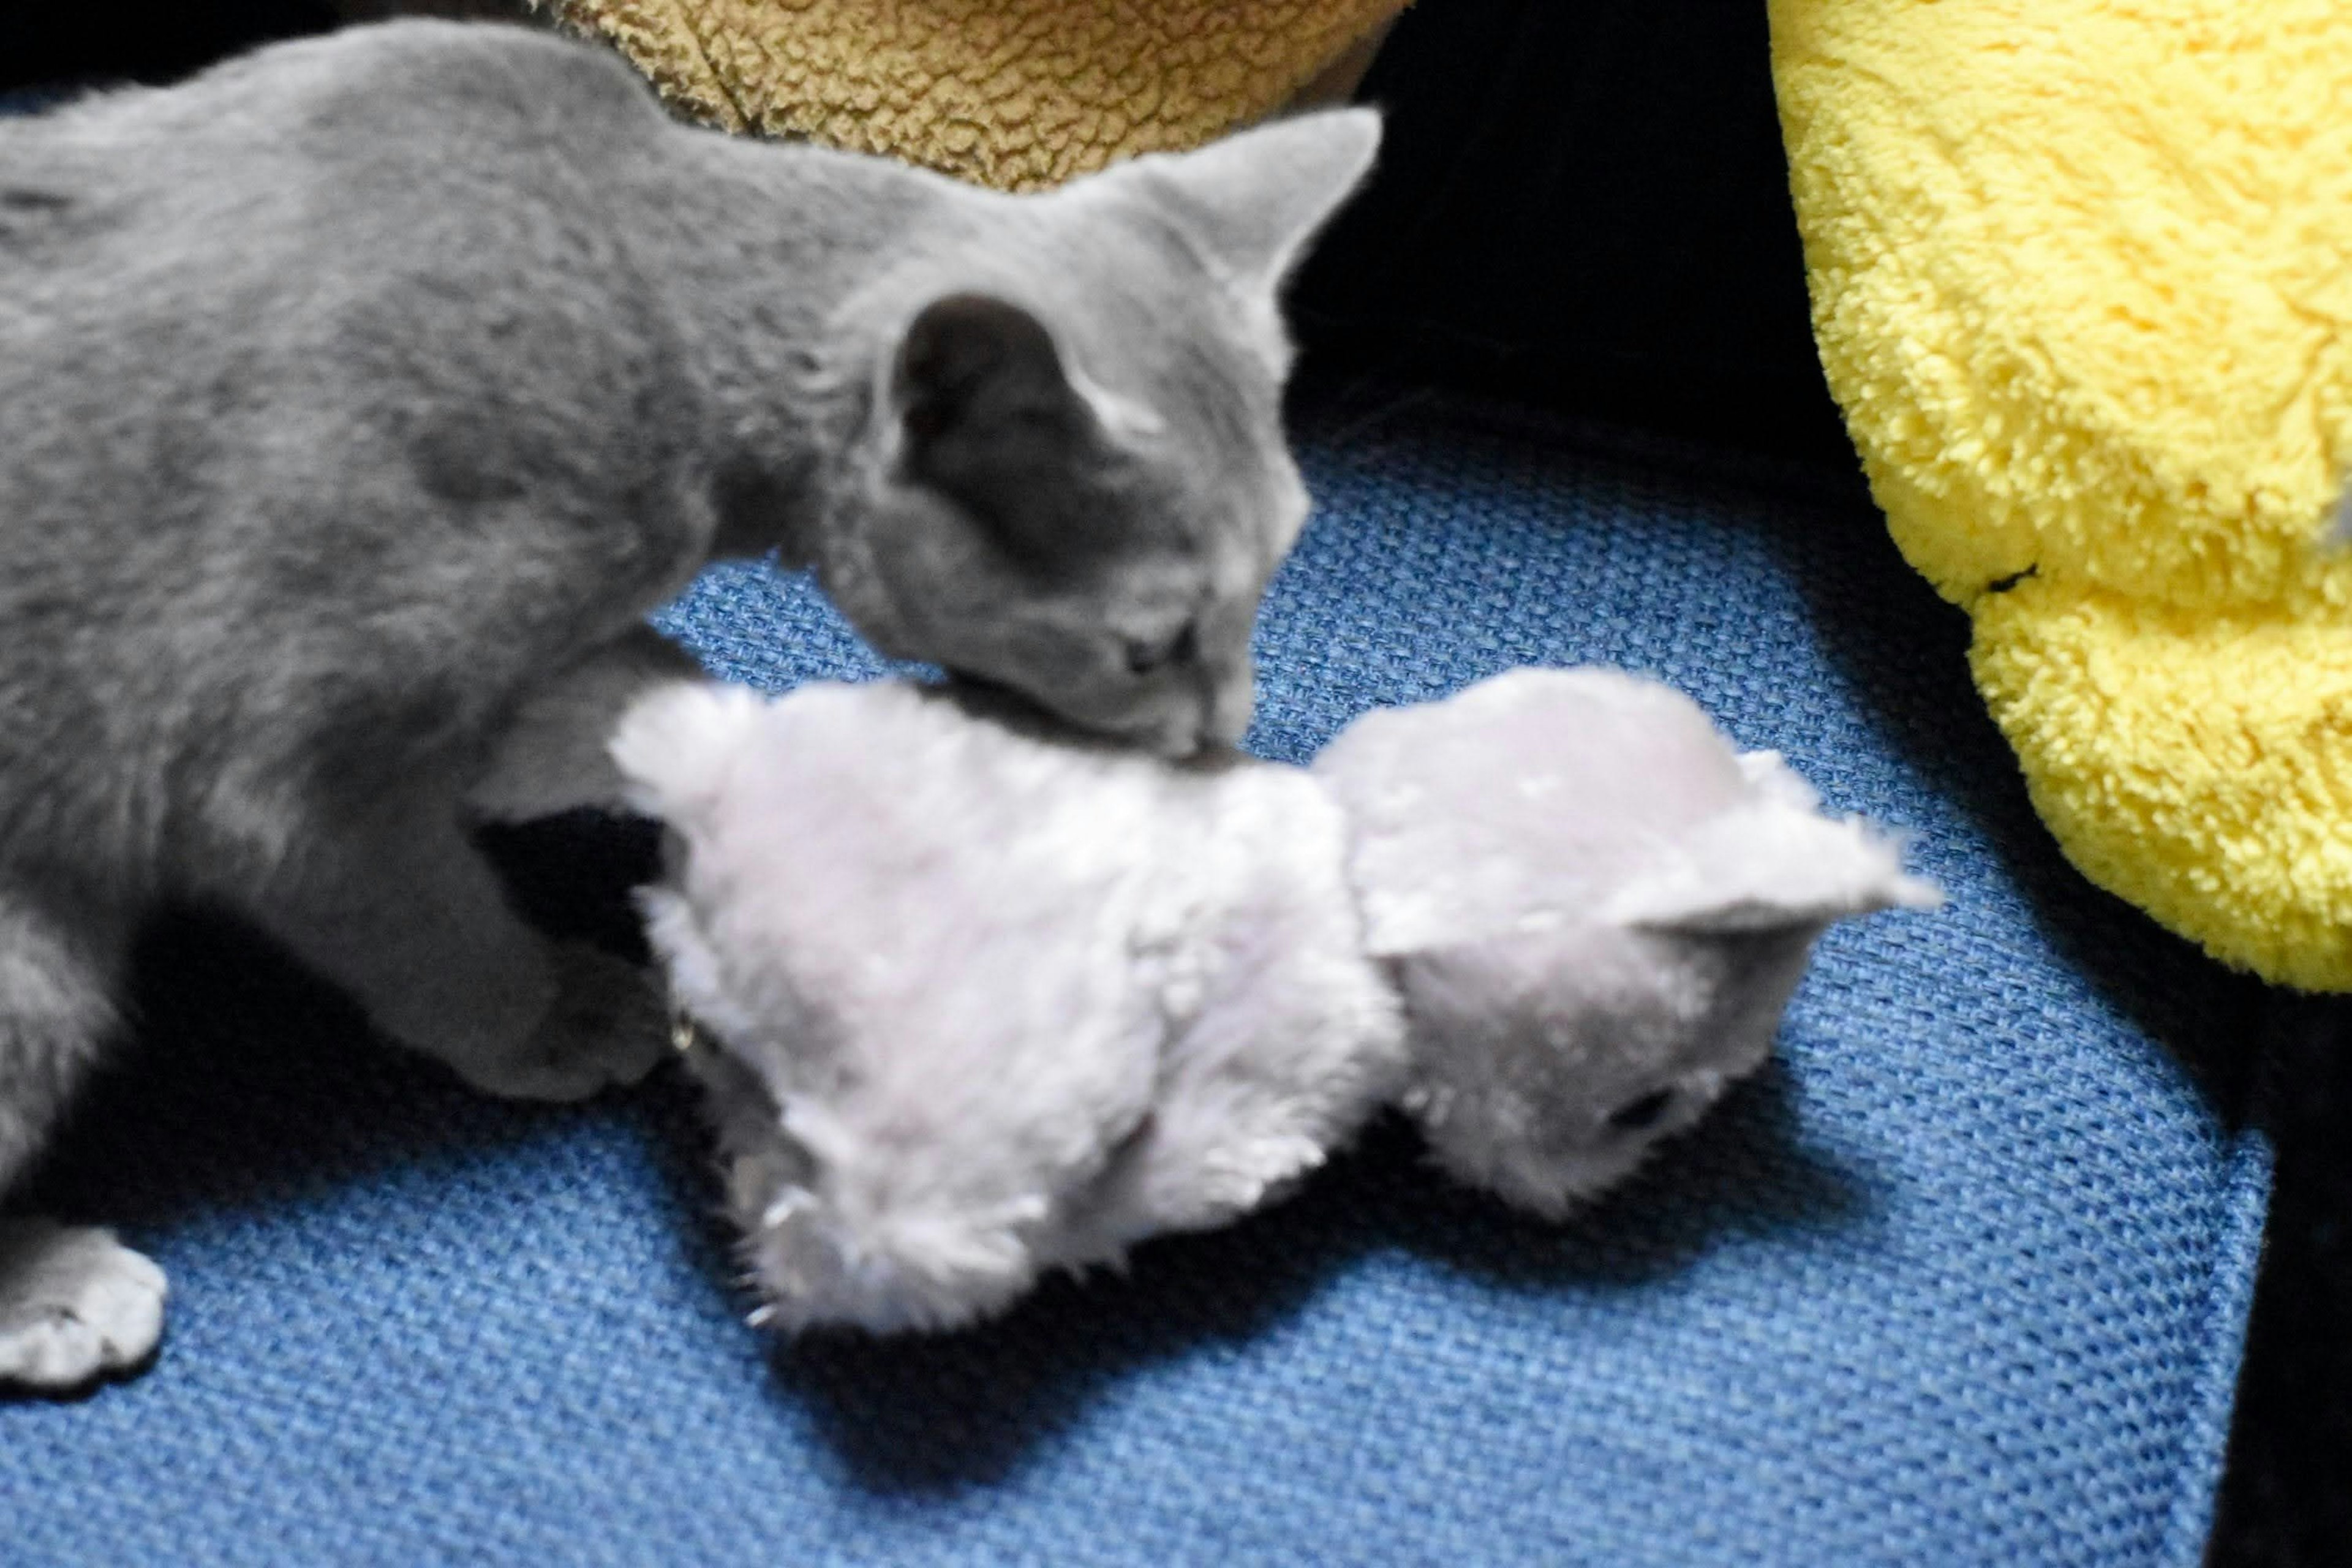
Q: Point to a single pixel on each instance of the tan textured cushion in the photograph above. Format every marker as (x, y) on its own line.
(1014, 93)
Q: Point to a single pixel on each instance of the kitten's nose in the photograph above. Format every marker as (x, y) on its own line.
(1180, 738)
(1217, 718)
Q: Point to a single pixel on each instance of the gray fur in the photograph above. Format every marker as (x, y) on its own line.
(363, 394)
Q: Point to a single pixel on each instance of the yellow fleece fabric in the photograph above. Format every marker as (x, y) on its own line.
(1012, 93)
(2082, 281)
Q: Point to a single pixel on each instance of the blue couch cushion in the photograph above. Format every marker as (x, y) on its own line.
(1962, 1277)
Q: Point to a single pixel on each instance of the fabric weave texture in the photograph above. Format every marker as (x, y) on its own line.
(1960, 1278)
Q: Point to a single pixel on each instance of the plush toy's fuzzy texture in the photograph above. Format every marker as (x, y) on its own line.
(2082, 277)
(991, 1002)
(1595, 910)
(1018, 94)
(974, 1000)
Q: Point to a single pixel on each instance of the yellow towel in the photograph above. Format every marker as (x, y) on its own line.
(2082, 277)
(1013, 93)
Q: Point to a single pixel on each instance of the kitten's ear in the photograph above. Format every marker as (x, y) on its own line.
(1256, 198)
(973, 364)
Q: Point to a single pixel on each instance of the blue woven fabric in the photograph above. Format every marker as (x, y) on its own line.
(1960, 1278)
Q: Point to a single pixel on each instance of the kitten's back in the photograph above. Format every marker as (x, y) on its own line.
(378, 93)
(294, 235)
(328, 402)
(380, 135)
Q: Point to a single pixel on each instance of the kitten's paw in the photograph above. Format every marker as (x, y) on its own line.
(609, 1024)
(74, 1304)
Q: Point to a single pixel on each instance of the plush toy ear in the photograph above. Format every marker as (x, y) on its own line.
(674, 745)
(1255, 199)
(1770, 866)
(1771, 776)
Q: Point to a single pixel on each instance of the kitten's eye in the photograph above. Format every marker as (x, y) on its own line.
(1642, 1112)
(1144, 657)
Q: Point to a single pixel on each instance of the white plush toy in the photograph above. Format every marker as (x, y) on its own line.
(971, 1000)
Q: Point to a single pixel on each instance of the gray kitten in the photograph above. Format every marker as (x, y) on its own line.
(357, 400)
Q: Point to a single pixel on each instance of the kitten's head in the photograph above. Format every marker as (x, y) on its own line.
(1070, 479)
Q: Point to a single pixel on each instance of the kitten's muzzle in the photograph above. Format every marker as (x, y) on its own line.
(1214, 720)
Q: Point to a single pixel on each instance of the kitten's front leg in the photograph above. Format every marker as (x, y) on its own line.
(403, 911)
(554, 756)
(74, 1302)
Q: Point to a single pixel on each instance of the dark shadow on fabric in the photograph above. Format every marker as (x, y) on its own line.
(2284, 1502)
(248, 1077)
(572, 876)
